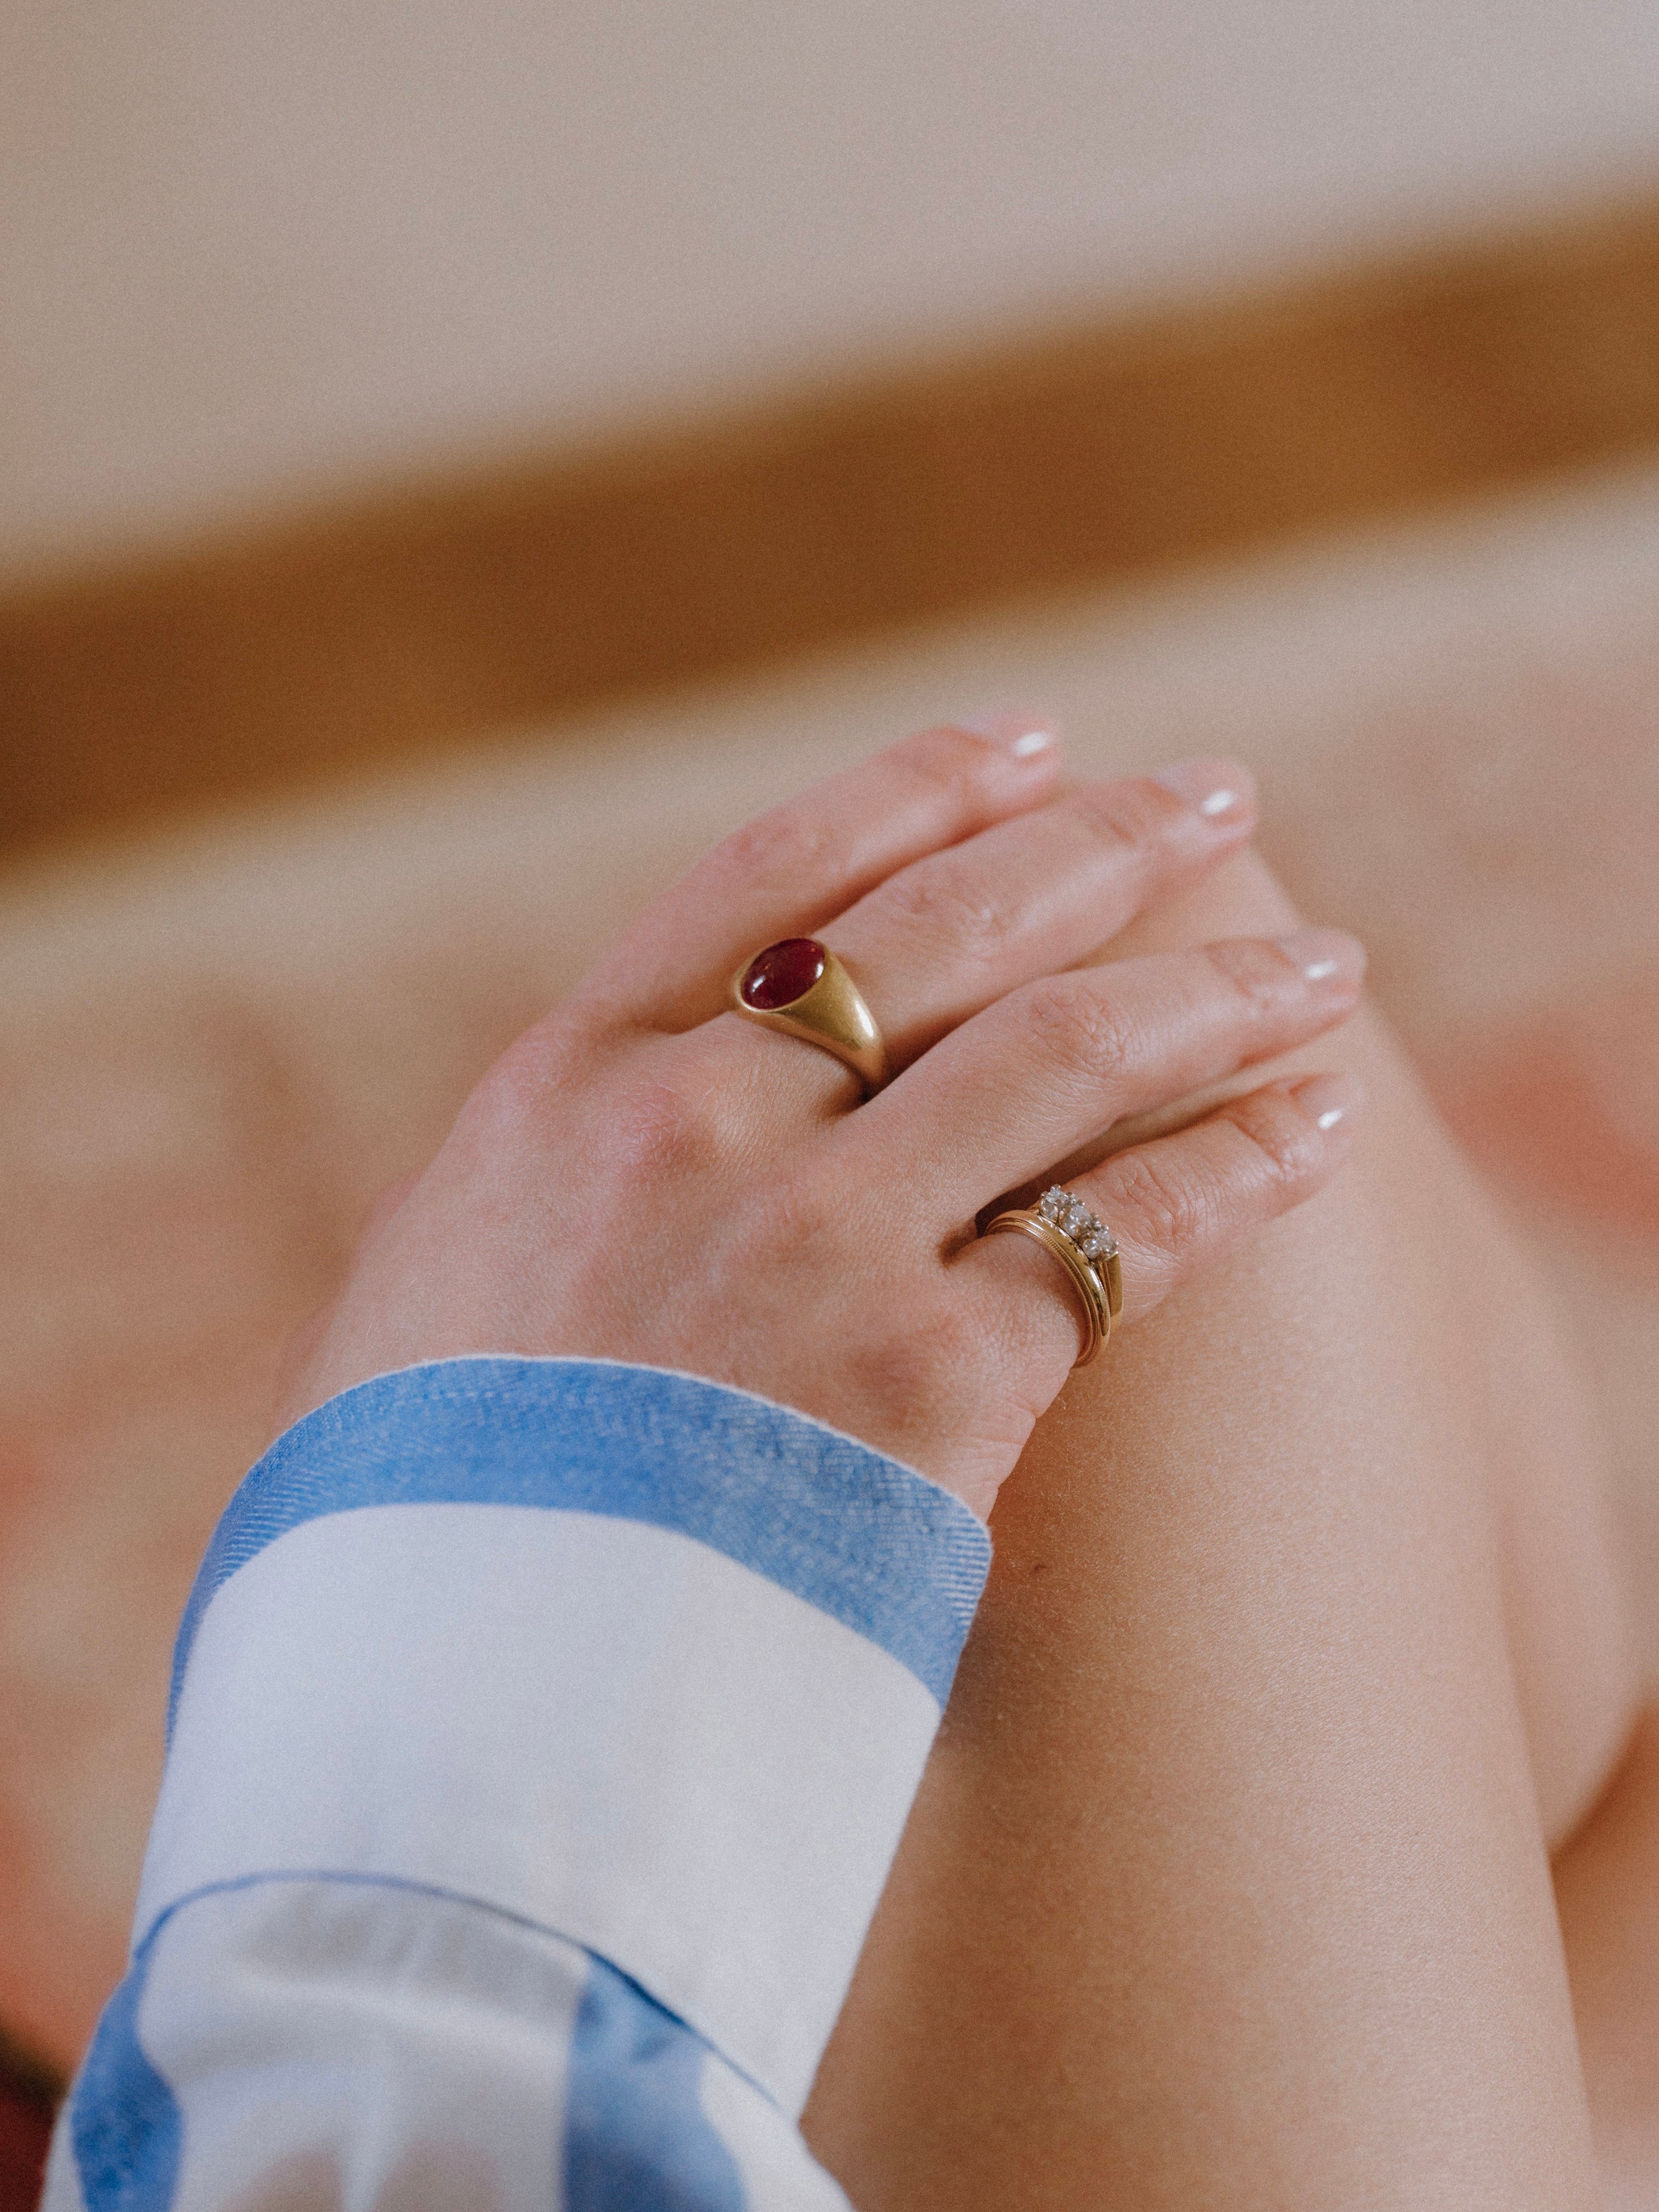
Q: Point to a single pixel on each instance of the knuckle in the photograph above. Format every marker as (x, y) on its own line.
(1281, 1134)
(1133, 817)
(516, 1095)
(940, 905)
(1031, 1303)
(1174, 1209)
(1253, 971)
(1071, 1025)
(946, 758)
(780, 847)
(656, 1134)
(958, 1342)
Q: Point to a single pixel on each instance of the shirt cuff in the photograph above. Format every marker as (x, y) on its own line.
(644, 1661)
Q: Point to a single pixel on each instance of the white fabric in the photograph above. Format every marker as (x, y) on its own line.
(344, 2045)
(622, 1735)
(357, 2048)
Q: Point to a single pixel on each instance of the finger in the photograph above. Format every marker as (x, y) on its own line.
(787, 872)
(1174, 1206)
(948, 935)
(1034, 1078)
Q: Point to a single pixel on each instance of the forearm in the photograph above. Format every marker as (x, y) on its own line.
(542, 1732)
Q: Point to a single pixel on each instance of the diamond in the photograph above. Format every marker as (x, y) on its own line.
(1052, 1205)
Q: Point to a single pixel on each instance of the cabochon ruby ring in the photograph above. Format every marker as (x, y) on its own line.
(799, 986)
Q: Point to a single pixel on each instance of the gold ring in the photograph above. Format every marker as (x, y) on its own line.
(799, 986)
(1086, 1248)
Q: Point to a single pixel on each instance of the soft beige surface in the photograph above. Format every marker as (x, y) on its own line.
(219, 1046)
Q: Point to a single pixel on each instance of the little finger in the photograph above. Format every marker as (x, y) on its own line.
(1176, 1205)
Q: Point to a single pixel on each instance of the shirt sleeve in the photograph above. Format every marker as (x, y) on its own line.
(541, 1734)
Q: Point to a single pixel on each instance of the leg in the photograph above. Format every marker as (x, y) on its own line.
(1229, 1883)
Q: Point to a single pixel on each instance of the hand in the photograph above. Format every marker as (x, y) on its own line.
(645, 1175)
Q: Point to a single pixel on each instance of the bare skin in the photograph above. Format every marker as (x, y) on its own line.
(1229, 1884)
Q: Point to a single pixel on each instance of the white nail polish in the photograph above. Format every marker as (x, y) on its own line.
(1206, 785)
(1018, 733)
(1324, 956)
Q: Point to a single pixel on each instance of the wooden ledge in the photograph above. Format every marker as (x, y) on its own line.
(406, 622)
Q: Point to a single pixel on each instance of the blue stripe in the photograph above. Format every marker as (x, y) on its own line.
(125, 2122)
(636, 2138)
(853, 1532)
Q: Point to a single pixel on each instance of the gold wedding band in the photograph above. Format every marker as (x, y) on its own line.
(799, 986)
(1087, 1250)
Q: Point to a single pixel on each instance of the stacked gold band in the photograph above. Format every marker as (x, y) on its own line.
(1086, 1249)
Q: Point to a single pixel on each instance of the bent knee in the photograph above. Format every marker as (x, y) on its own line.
(1243, 898)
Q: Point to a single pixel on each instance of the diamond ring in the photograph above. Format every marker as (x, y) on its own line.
(1065, 1226)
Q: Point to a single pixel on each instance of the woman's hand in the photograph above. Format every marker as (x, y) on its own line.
(647, 1177)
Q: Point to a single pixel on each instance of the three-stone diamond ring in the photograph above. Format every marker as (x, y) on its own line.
(798, 986)
(1085, 1247)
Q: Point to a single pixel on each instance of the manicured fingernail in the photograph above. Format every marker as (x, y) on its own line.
(1220, 790)
(1024, 735)
(1331, 1099)
(1328, 958)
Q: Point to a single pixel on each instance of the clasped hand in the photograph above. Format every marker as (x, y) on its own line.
(646, 1177)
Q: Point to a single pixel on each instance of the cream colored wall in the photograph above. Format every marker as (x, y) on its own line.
(252, 251)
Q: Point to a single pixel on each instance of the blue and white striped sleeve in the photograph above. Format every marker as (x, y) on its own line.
(542, 1732)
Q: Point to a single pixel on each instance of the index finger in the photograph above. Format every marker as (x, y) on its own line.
(790, 870)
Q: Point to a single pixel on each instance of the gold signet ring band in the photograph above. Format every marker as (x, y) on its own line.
(1087, 1250)
(799, 986)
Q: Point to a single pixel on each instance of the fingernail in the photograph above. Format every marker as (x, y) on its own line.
(1024, 735)
(1327, 958)
(1220, 790)
(1331, 1099)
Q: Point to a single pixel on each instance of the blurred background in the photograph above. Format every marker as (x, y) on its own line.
(454, 462)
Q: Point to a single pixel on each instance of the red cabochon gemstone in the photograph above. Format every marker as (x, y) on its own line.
(783, 973)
